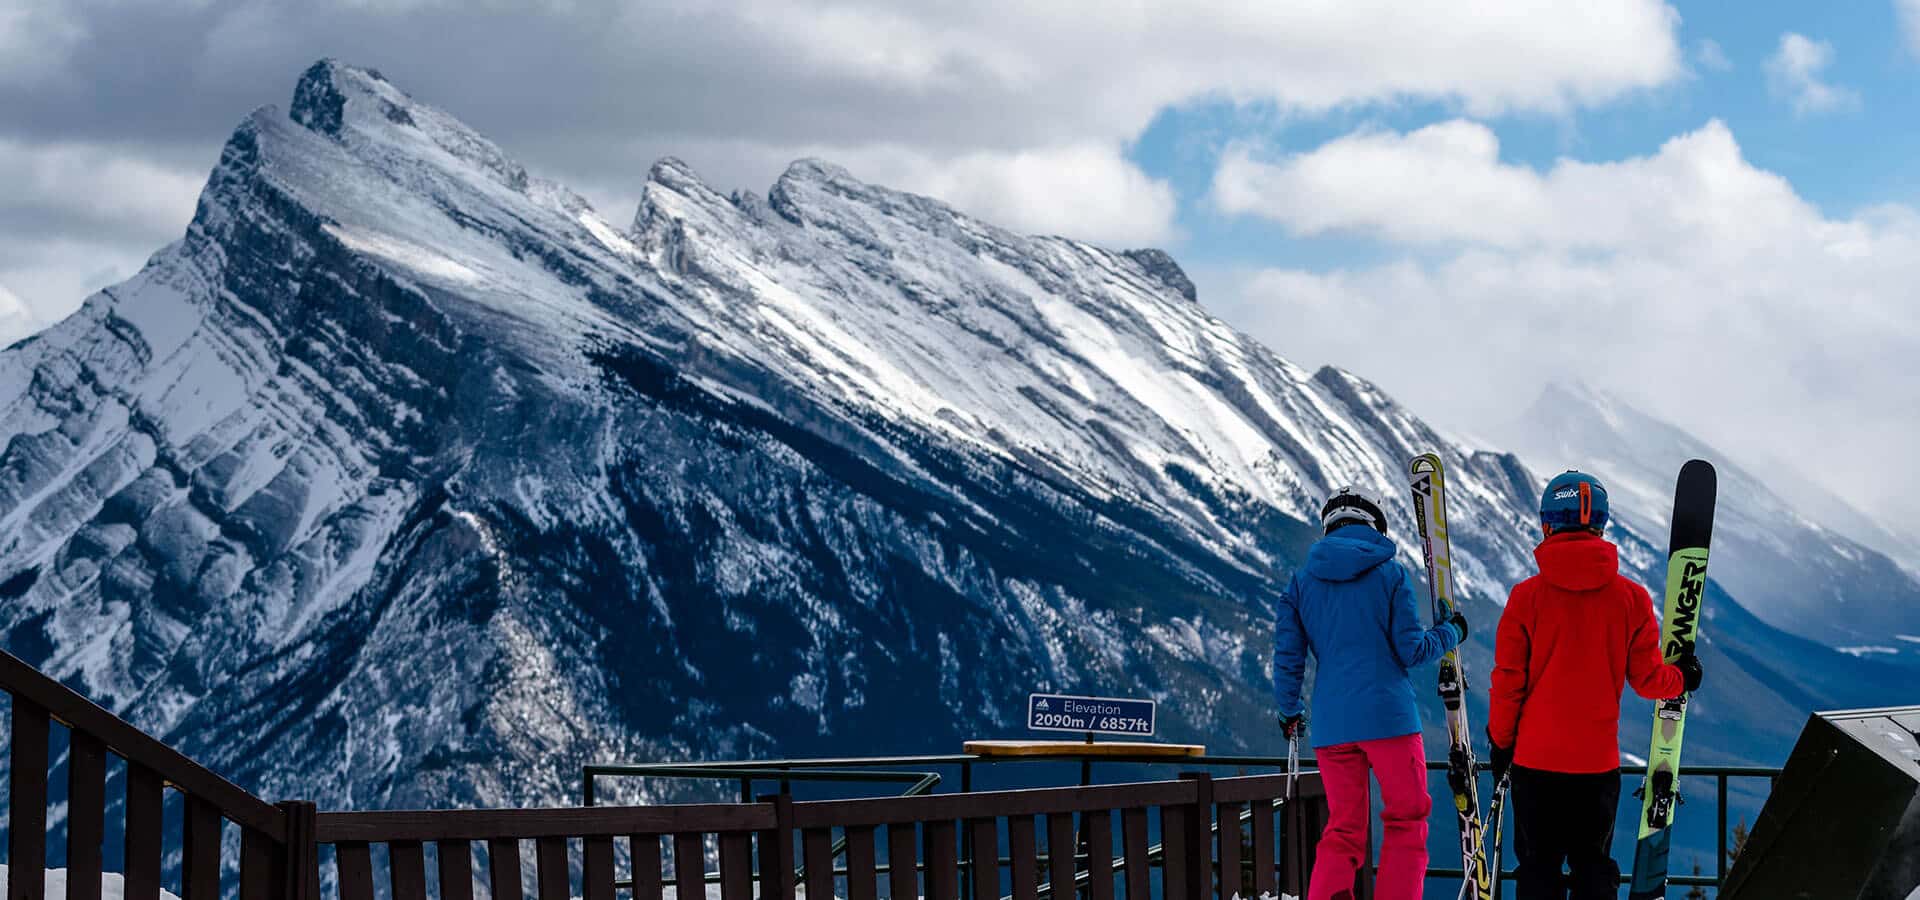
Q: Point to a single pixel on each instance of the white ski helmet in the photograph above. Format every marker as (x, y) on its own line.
(1351, 504)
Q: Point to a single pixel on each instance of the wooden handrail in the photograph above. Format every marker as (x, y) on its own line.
(137, 747)
(1028, 802)
(502, 824)
(1242, 788)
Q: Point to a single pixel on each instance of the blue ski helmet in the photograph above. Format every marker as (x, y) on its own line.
(1573, 500)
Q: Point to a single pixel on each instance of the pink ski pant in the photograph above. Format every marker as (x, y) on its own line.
(1400, 766)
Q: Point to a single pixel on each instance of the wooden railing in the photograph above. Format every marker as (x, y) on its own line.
(1190, 839)
(152, 768)
(453, 834)
(1214, 838)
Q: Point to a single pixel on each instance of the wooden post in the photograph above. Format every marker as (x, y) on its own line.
(1297, 841)
(903, 877)
(407, 870)
(1200, 837)
(943, 871)
(1133, 838)
(86, 814)
(596, 868)
(146, 795)
(863, 881)
(776, 851)
(298, 868)
(644, 851)
(27, 803)
(455, 861)
(1022, 862)
(550, 871)
(736, 865)
(1263, 861)
(1228, 831)
(200, 851)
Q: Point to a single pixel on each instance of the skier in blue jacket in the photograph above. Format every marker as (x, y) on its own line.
(1351, 606)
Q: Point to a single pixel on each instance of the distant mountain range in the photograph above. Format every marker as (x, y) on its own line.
(404, 478)
(1791, 569)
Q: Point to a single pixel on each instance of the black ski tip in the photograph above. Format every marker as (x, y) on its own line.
(1693, 500)
(1700, 472)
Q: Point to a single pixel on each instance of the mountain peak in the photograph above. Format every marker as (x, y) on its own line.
(1563, 400)
(816, 170)
(1563, 390)
(1160, 264)
(321, 98)
(317, 100)
(673, 171)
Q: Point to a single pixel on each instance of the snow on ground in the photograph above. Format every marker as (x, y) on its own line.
(404, 253)
(112, 885)
(1868, 650)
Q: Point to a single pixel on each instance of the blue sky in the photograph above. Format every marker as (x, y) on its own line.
(1841, 160)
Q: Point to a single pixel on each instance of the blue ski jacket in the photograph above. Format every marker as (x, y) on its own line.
(1352, 607)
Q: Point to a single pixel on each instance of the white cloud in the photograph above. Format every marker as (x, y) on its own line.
(1017, 111)
(1793, 73)
(35, 37)
(107, 185)
(1021, 112)
(77, 217)
(1115, 67)
(1710, 56)
(16, 321)
(1689, 280)
(1445, 184)
(1087, 191)
(1908, 13)
(49, 277)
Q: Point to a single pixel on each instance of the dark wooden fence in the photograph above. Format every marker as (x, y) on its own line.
(1191, 839)
(267, 869)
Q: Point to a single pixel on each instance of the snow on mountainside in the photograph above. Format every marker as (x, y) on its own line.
(1792, 572)
(404, 478)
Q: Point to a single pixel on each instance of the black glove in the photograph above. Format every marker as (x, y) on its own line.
(1459, 623)
(1501, 758)
(1689, 666)
(1294, 726)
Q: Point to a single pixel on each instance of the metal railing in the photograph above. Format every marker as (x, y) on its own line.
(1720, 774)
(747, 775)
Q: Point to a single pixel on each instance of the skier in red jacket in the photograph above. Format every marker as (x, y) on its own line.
(1570, 639)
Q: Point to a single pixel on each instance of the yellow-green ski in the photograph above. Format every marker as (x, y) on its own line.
(1693, 502)
(1427, 476)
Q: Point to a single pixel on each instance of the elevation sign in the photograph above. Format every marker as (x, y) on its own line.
(1100, 715)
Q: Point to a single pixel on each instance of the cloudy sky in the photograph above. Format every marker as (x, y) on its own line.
(1711, 209)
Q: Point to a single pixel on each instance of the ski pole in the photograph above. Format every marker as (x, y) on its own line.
(1293, 764)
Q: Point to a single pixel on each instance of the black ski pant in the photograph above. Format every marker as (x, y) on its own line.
(1563, 818)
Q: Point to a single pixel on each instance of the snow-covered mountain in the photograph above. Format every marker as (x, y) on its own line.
(1792, 571)
(405, 478)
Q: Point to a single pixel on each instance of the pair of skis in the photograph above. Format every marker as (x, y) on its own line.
(1427, 477)
(1692, 531)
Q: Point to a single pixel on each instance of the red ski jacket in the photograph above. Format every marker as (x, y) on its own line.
(1569, 640)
